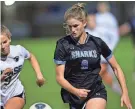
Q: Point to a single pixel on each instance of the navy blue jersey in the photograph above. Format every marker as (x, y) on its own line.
(82, 61)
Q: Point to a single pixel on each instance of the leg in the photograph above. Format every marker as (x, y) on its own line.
(15, 103)
(107, 78)
(96, 103)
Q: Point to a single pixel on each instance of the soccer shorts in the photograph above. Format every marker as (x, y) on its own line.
(99, 94)
(22, 95)
(98, 91)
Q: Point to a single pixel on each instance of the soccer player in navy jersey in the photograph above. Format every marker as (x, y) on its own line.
(77, 58)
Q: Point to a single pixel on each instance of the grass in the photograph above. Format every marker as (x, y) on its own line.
(43, 49)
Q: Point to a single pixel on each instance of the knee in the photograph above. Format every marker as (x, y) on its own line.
(103, 70)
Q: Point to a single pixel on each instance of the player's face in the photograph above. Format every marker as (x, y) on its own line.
(102, 8)
(5, 44)
(91, 22)
(76, 27)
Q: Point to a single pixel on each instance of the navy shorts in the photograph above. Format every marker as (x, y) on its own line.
(98, 91)
(99, 94)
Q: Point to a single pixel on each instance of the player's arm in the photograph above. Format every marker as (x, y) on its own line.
(121, 78)
(5, 73)
(124, 29)
(36, 67)
(59, 59)
(66, 85)
(27, 55)
(106, 52)
(62, 81)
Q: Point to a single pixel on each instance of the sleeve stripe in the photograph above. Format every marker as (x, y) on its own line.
(110, 56)
(59, 62)
(28, 56)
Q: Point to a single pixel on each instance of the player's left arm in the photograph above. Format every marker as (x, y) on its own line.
(107, 53)
(36, 67)
(121, 78)
(27, 55)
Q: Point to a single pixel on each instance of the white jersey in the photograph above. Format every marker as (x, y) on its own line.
(104, 35)
(101, 33)
(108, 21)
(12, 86)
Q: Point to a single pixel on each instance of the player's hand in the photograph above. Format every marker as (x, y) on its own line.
(5, 73)
(40, 81)
(125, 100)
(82, 93)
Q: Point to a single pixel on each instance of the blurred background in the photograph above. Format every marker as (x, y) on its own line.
(37, 25)
(40, 18)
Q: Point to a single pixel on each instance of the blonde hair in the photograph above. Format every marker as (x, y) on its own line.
(77, 11)
(5, 31)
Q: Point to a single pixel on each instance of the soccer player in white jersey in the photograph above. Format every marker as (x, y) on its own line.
(104, 34)
(11, 62)
(105, 19)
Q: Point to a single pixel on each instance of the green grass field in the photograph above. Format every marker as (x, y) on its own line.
(43, 49)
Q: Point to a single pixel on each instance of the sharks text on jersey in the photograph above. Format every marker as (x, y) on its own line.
(89, 53)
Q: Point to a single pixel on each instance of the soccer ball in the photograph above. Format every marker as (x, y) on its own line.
(40, 105)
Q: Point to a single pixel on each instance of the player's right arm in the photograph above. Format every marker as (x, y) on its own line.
(62, 81)
(66, 85)
(5, 74)
(59, 59)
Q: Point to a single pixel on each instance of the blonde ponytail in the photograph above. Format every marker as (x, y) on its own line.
(77, 11)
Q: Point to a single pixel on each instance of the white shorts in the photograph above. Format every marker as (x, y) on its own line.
(14, 90)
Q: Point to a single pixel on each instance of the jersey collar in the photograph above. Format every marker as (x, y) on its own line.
(86, 40)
